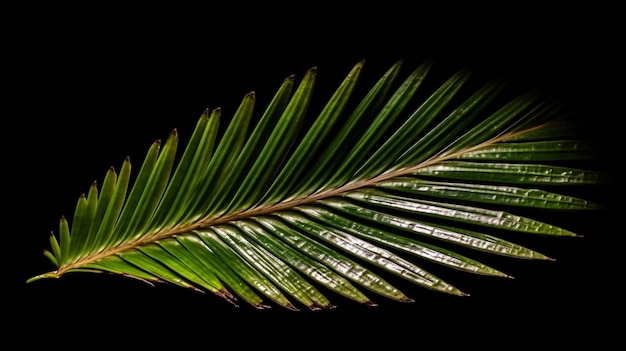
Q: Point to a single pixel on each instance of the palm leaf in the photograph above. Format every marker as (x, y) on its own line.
(294, 203)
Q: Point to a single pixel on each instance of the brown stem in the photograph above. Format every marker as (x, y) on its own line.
(258, 211)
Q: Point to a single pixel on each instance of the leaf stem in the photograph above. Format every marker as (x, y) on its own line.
(263, 210)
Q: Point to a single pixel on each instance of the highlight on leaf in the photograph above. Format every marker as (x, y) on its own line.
(279, 209)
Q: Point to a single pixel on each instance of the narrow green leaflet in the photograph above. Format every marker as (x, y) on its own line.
(560, 128)
(116, 265)
(537, 151)
(65, 241)
(511, 173)
(79, 229)
(55, 255)
(488, 194)
(112, 211)
(473, 239)
(458, 213)
(121, 229)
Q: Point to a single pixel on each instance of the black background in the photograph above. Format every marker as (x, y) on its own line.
(88, 88)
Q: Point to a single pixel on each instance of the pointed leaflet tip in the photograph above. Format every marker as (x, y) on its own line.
(251, 94)
(291, 307)
(228, 297)
(503, 275)
(145, 281)
(261, 306)
(197, 289)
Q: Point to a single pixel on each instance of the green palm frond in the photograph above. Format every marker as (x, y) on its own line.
(280, 207)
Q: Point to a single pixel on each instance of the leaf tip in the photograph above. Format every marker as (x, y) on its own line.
(370, 303)
(197, 289)
(261, 306)
(291, 307)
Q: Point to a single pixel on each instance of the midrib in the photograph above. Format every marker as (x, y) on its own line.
(264, 210)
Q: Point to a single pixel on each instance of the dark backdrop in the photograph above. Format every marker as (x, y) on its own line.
(90, 90)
